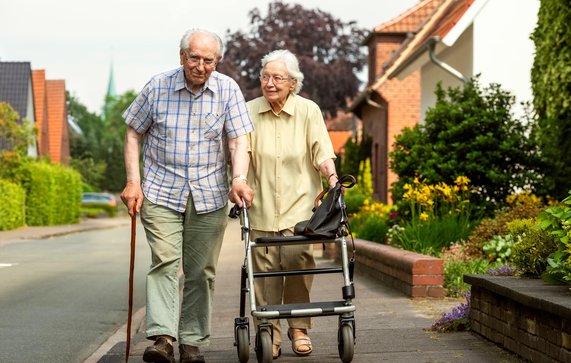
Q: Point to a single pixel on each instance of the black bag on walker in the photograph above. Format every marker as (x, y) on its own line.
(327, 212)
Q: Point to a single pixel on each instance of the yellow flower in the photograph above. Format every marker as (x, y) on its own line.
(423, 216)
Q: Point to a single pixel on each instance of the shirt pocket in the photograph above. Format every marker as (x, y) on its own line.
(214, 123)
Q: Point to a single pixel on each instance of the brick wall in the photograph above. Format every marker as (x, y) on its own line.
(525, 316)
(411, 273)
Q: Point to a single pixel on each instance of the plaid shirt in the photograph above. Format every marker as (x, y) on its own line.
(185, 138)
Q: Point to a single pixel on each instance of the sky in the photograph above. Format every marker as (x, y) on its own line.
(80, 41)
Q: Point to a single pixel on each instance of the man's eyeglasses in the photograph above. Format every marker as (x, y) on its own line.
(275, 79)
(194, 60)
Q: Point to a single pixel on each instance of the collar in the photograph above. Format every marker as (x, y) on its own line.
(210, 84)
(288, 108)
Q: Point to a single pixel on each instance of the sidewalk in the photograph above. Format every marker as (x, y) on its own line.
(390, 327)
(53, 231)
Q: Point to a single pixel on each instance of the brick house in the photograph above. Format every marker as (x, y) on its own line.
(43, 103)
(447, 41)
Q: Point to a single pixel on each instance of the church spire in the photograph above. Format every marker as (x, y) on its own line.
(110, 95)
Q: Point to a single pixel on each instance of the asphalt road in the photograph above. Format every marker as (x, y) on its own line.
(62, 297)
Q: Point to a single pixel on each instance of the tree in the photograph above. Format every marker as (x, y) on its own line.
(14, 136)
(469, 132)
(327, 48)
(551, 86)
(98, 151)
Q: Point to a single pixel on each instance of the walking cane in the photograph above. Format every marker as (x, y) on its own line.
(131, 270)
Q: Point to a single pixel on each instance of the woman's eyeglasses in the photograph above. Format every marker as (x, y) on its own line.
(275, 79)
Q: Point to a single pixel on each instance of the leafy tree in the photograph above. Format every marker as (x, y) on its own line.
(115, 176)
(469, 132)
(98, 151)
(551, 86)
(327, 48)
(14, 136)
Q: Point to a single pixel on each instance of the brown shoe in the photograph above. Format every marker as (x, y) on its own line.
(190, 354)
(160, 352)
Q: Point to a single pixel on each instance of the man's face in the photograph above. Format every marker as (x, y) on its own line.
(199, 60)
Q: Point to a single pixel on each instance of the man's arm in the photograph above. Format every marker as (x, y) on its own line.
(132, 195)
(239, 157)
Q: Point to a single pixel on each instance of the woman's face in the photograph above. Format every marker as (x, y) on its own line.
(276, 82)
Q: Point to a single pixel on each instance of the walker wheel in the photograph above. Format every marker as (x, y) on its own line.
(346, 342)
(243, 343)
(264, 346)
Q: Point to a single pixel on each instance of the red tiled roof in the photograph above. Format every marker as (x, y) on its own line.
(40, 109)
(410, 20)
(438, 24)
(339, 139)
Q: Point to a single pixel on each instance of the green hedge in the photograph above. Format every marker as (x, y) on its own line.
(53, 194)
(12, 199)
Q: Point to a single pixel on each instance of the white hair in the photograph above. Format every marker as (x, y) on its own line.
(291, 63)
(185, 40)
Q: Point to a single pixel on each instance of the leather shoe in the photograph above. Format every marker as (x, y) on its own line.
(190, 354)
(160, 352)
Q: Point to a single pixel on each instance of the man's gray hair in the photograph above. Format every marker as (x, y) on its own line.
(185, 40)
(291, 63)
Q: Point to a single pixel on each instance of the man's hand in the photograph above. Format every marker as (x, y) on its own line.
(132, 197)
(239, 190)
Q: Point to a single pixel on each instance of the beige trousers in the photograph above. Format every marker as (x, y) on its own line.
(282, 290)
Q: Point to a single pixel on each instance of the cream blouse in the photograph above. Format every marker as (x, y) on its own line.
(285, 153)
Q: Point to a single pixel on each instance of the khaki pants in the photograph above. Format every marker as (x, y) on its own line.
(282, 290)
(193, 241)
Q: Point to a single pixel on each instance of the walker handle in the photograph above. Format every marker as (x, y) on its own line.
(236, 210)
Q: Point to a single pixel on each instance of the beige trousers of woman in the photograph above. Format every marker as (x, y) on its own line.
(282, 290)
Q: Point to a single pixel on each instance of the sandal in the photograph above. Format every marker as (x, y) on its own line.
(276, 351)
(299, 339)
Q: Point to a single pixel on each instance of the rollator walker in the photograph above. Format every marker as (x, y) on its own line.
(344, 307)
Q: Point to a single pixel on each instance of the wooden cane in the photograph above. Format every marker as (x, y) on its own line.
(131, 271)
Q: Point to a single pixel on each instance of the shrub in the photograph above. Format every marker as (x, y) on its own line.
(470, 131)
(519, 206)
(356, 196)
(454, 271)
(557, 222)
(372, 221)
(532, 248)
(499, 249)
(12, 201)
(53, 194)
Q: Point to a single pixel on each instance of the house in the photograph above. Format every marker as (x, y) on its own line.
(43, 103)
(446, 41)
(16, 90)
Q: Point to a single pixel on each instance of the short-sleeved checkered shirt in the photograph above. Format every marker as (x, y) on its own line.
(185, 138)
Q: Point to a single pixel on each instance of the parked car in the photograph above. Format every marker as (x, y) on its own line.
(89, 199)
(95, 204)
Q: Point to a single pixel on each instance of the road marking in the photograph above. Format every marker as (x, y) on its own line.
(6, 265)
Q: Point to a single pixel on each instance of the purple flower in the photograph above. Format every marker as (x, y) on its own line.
(502, 271)
(456, 320)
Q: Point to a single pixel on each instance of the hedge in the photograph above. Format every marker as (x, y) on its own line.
(53, 194)
(12, 204)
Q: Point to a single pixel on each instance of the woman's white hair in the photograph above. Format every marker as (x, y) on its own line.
(291, 63)
(185, 40)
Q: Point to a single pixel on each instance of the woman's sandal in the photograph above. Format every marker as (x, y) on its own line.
(276, 351)
(299, 339)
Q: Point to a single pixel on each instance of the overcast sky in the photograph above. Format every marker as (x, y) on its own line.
(78, 40)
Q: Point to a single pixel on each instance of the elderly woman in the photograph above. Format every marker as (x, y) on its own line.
(289, 152)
